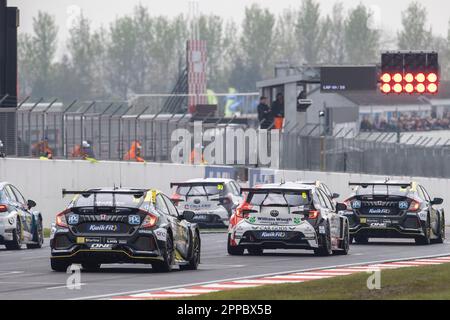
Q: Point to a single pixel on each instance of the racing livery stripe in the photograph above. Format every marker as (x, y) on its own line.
(297, 277)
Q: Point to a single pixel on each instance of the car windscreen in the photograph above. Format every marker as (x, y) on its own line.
(285, 199)
(200, 190)
(107, 200)
(383, 190)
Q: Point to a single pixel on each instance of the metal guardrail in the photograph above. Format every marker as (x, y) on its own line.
(111, 127)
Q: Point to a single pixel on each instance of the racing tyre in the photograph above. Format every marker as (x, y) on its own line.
(234, 250)
(361, 239)
(38, 236)
(59, 265)
(426, 239)
(441, 237)
(345, 243)
(255, 251)
(324, 243)
(16, 243)
(89, 266)
(195, 260)
(168, 257)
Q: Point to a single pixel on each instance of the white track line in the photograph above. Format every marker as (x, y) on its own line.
(127, 293)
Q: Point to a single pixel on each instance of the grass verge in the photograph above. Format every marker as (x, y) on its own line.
(412, 283)
(46, 232)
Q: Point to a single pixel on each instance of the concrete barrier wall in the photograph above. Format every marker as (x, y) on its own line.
(42, 181)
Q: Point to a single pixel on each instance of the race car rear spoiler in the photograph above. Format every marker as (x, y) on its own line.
(137, 193)
(193, 184)
(270, 190)
(394, 184)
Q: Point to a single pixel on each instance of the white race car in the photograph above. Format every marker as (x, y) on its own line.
(212, 200)
(288, 216)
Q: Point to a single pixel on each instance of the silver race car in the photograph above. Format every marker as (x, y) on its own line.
(19, 224)
(288, 216)
(212, 200)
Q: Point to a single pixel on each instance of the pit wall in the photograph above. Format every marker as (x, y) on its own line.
(43, 180)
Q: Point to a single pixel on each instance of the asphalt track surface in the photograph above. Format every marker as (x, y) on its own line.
(26, 274)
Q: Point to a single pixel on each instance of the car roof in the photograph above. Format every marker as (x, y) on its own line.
(213, 180)
(286, 185)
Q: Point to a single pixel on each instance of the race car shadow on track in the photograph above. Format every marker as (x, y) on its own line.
(386, 242)
(109, 269)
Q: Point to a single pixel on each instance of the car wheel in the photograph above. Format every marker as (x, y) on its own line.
(234, 250)
(168, 257)
(345, 243)
(426, 239)
(39, 236)
(324, 243)
(59, 265)
(195, 260)
(441, 237)
(90, 266)
(16, 243)
(361, 239)
(255, 251)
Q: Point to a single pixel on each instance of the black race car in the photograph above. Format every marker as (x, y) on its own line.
(394, 210)
(102, 226)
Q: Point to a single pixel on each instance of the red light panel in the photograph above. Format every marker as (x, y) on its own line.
(397, 78)
(398, 88)
(432, 88)
(432, 77)
(386, 88)
(420, 77)
(386, 78)
(409, 77)
(409, 88)
(420, 88)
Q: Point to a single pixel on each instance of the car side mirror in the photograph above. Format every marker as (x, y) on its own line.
(437, 201)
(187, 215)
(31, 204)
(341, 207)
(335, 195)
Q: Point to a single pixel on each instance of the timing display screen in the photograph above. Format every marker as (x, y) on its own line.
(348, 78)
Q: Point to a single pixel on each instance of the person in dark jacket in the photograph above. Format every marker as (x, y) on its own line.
(278, 111)
(278, 106)
(265, 115)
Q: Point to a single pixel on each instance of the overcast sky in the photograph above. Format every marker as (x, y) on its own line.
(102, 12)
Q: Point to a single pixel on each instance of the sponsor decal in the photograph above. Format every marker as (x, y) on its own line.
(379, 211)
(103, 217)
(274, 220)
(378, 225)
(145, 231)
(297, 220)
(92, 240)
(111, 241)
(356, 204)
(161, 234)
(101, 246)
(73, 219)
(252, 219)
(103, 227)
(271, 228)
(273, 234)
(134, 219)
(81, 240)
(403, 205)
(274, 213)
(322, 230)
(363, 220)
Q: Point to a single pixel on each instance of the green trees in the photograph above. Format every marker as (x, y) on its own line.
(415, 35)
(143, 53)
(361, 42)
